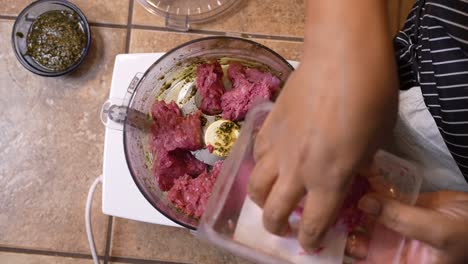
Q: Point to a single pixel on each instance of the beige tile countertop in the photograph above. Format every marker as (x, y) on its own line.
(51, 137)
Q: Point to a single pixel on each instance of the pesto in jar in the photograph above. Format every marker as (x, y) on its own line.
(56, 40)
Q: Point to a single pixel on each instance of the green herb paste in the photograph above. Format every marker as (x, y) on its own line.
(56, 39)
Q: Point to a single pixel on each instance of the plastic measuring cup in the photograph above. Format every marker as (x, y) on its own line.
(224, 215)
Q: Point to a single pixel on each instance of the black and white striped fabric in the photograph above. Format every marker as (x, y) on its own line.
(432, 52)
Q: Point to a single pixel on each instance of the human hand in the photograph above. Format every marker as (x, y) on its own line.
(320, 132)
(436, 228)
(331, 116)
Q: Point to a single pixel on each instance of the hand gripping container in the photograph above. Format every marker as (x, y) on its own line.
(231, 221)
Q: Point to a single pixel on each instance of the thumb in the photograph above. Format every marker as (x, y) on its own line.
(414, 222)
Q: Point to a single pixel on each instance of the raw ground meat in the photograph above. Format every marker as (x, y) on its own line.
(235, 72)
(211, 88)
(248, 86)
(191, 194)
(165, 111)
(172, 138)
(172, 131)
(350, 215)
(210, 148)
(257, 76)
(169, 166)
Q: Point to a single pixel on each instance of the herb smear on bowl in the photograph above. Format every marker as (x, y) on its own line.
(56, 40)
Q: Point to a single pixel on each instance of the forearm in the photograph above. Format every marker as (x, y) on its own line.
(331, 116)
(354, 22)
(349, 44)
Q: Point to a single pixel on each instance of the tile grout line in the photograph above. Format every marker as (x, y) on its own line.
(129, 26)
(7, 17)
(80, 256)
(107, 25)
(46, 253)
(220, 33)
(142, 261)
(108, 239)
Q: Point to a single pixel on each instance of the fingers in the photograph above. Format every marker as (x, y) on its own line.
(265, 171)
(282, 200)
(261, 146)
(263, 139)
(437, 199)
(357, 245)
(376, 181)
(319, 212)
(417, 223)
(262, 179)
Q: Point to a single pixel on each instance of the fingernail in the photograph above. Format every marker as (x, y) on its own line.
(352, 239)
(369, 205)
(312, 251)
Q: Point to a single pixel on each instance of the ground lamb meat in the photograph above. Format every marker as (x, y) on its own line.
(248, 86)
(172, 138)
(169, 166)
(172, 131)
(191, 194)
(350, 215)
(210, 86)
(165, 112)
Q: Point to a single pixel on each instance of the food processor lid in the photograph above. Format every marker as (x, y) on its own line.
(180, 14)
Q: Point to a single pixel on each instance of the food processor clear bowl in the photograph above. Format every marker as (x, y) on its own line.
(163, 74)
(179, 14)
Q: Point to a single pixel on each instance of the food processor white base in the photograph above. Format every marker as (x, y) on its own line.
(120, 195)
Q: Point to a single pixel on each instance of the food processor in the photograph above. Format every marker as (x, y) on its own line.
(172, 78)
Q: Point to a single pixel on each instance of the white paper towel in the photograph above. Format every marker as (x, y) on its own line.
(250, 231)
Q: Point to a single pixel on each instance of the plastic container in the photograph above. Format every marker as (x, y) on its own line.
(21, 28)
(179, 14)
(220, 224)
